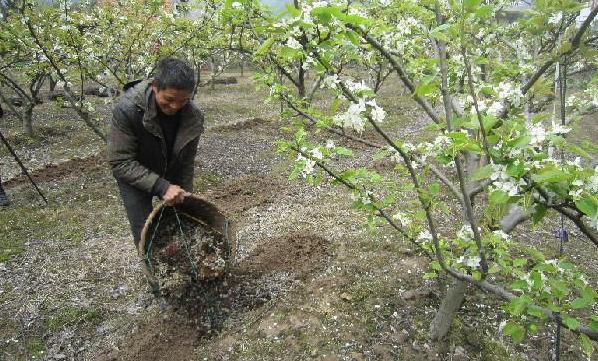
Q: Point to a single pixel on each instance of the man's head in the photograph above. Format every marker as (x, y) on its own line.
(173, 85)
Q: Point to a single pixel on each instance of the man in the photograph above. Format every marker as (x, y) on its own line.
(3, 197)
(153, 141)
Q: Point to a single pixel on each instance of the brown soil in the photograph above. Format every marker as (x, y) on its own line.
(200, 312)
(242, 125)
(244, 193)
(295, 253)
(56, 171)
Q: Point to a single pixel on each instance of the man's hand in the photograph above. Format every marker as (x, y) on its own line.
(174, 195)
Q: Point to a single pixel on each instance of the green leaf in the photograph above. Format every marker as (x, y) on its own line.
(582, 302)
(300, 135)
(265, 48)
(521, 142)
(535, 312)
(551, 175)
(559, 289)
(483, 11)
(483, 172)
(571, 322)
(539, 212)
(343, 151)
(323, 13)
(519, 285)
(498, 197)
(586, 345)
(517, 305)
(519, 262)
(425, 89)
(515, 330)
(435, 265)
(515, 169)
(588, 205)
(430, 275)
(471, 5)
(489, 122)
(439, 32)
(293, 10)
(434, 188)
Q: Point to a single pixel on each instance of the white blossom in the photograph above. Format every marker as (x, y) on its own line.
(502, 234)
(352, 117)
(293, 43)
(537, 134)
(378, 114)
(331, 81)
(316, 153)
(555, 18)
(465, 232)
(496, 108)
(402, 218)
(557, 128)
(593, 181)
(425, 235)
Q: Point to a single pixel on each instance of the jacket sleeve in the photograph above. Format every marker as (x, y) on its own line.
(187, 166)
(122, 154)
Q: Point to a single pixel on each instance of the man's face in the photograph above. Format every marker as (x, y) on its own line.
(171, 100)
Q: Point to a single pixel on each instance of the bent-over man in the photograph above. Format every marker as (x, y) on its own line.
(153, 141)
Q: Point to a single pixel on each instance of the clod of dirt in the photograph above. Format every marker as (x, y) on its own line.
(296, 253)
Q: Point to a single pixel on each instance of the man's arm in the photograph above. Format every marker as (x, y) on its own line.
(122, 155)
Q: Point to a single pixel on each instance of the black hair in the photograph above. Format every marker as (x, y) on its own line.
(174, 73)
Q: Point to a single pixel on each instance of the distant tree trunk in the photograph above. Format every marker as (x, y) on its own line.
(213, 75)
(301, 81)
(28, 118)
(52, 83)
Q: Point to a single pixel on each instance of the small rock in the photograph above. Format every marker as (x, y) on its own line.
(460, 354)
(345, 296)
(59, 356)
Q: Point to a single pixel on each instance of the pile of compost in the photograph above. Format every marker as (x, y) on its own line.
(186, 244)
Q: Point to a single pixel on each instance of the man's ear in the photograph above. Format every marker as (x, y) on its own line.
(154, 85)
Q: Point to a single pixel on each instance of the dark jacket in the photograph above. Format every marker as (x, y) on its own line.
(137, 149)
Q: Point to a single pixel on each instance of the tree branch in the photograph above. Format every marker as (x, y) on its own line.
(575, 42)
(400, 71)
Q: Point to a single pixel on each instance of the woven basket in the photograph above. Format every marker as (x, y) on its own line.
(196, 211)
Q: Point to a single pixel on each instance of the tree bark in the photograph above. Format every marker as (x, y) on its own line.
(448, 309)
(28, 118)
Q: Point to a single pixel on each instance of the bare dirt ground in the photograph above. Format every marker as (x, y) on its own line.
(309, 282)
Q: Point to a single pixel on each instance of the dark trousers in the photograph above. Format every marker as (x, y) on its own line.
(138, 205)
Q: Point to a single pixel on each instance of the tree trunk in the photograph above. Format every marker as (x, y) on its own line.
(28, 119)
(52, 84)
(213, 75)
(301, 81)
(448, 309)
